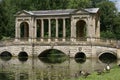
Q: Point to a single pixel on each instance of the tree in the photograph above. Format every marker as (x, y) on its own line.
(108, 15)
(79, 3)
(95, 2)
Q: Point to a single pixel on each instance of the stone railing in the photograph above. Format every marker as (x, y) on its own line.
(63, 41)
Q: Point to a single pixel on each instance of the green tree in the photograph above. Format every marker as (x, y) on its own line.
(108, 14)
(109, 17)
(95, 2)
(79, 3)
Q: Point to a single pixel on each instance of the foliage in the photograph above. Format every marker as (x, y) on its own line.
(112, 75)
(110, 17)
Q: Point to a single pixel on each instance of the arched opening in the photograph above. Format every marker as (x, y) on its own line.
(6, 55)
(24, 30)
(38, 28)
(80, 57)
(107, 57)
(81, 30)
(46, 27)
(52, 56)
(60, 28)
(53, 28)
(23, 56)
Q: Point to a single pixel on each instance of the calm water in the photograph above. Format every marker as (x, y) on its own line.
(39, 69)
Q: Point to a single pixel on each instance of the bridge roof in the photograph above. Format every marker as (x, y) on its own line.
(59, 12)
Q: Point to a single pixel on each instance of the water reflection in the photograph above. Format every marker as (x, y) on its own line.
(23, 59)
(36, 69)
(6, 76)
(52, 60)
(80, 60)
(6, 58)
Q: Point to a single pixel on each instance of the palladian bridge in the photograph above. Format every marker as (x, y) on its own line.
(75, 32)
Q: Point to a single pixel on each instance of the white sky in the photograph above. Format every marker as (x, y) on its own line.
(117, 2)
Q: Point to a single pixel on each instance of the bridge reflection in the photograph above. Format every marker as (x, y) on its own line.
(35, 69)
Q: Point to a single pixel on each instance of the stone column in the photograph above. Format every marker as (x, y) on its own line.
(88, 30)
(17, 31)
(42, 29)
(98, 29)
(56, 30)
(93, 28)
(73, 31)
(31, 24)
(34, 30)
(64, 30)
(49, 20)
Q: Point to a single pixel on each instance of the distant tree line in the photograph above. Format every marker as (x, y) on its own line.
(109, 16)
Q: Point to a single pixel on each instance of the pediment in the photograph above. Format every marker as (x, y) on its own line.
(80, 11)
(23, 13)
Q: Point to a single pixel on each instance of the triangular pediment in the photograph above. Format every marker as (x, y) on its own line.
(80, 11)
(23, 13)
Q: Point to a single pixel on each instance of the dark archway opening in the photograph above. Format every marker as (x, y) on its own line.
(38, 28)
(5, 55)
(52, 56)
(24, 30)
(80, 57)
(108, 57)
(81, 30)
(23, 56)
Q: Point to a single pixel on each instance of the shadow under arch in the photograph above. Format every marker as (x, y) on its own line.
(5, 55)
(81, 29)
(80, 57)
(52, 56)
(24, 30)
(23, 56)
(107, 57)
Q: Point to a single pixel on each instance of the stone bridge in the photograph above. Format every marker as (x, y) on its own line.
(74, 32)
(91, 49)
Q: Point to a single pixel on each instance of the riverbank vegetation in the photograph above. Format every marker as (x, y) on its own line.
(109, 16)
(112, 75)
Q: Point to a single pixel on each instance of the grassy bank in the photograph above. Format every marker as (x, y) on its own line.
(114, 74)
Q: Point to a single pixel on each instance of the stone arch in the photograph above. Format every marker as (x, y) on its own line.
(44, 52)
(24, 30)
(23, 54)
(107, 56)
(80, 55)
(39, 22)
(81, 30)
(5, 55)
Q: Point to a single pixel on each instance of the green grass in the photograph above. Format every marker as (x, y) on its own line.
(114, 74)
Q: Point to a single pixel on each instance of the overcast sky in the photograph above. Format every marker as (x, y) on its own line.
(117, 2)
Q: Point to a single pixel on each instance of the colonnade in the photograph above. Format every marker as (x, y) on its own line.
(39, 25)
(31, 26)
(56, 29)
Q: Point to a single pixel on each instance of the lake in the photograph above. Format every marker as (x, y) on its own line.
(46, 69)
